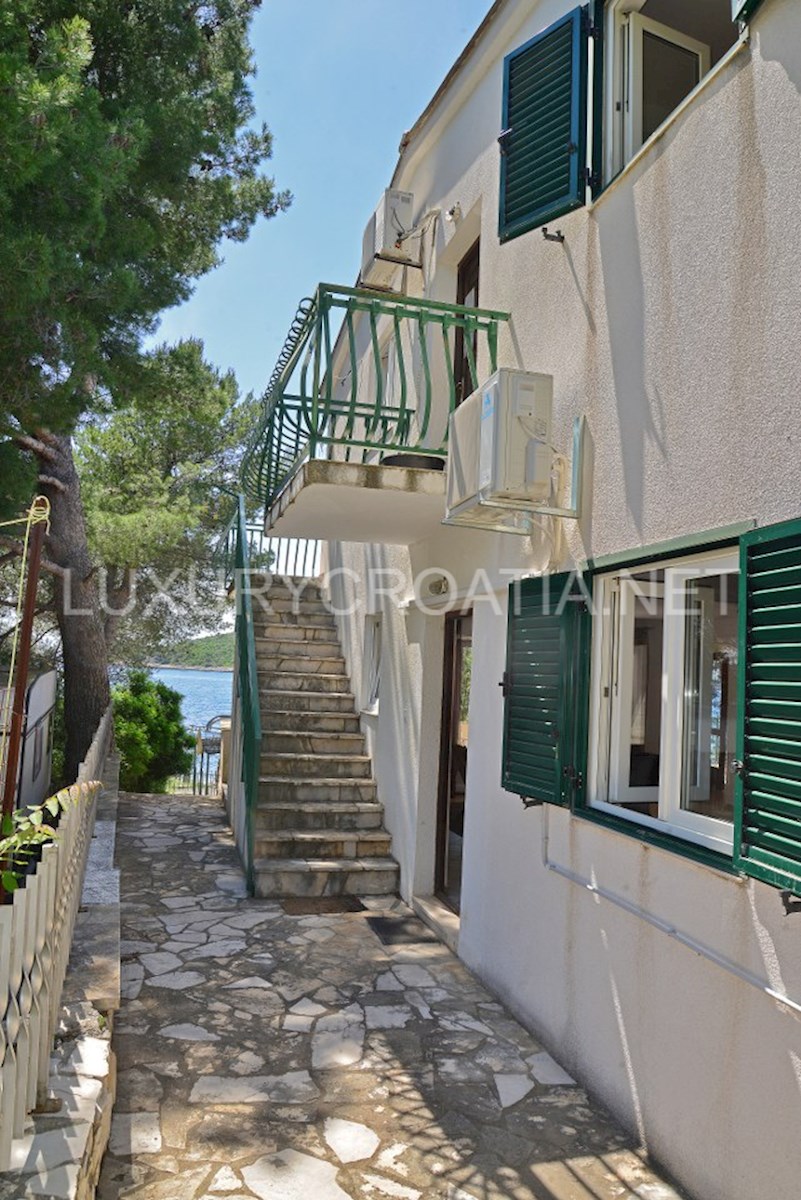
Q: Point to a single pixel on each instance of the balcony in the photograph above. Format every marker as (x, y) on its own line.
(353, 438)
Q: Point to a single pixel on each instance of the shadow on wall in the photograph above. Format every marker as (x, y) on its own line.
(587, 477)
(779, 41)
(398, 743)
(622, 268)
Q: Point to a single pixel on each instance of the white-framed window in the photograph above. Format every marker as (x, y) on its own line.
(663, 711)
(372, 662)
(584, 95)
(657, 52)
(661, 697)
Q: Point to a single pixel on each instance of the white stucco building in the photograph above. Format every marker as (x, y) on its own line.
(637, 912)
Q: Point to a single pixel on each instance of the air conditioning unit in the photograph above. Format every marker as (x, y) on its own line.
(382, 249)
(499, 448)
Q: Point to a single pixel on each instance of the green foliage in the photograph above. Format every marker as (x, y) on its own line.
(129, 152)
(17, 479)
(23, 832)
(148, 472)
(149, 476)
(58, 772)
(464, 683)
(149, 733)
(216, 650)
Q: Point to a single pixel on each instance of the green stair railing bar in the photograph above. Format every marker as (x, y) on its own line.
(237, 569)
(384, 382)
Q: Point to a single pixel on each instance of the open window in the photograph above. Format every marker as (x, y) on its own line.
(657, 51)
(664, 639)
(581, 98)
(465, 356)
(685, 719)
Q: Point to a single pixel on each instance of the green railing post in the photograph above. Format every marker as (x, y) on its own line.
(237, 569)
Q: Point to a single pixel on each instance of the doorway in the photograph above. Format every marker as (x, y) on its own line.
(467, 294)
(453, 757)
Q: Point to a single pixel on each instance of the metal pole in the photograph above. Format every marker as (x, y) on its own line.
(20, 682)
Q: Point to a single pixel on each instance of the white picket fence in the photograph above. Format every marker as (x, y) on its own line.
(35, 938)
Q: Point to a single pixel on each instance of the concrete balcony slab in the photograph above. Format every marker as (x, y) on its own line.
(359, 502)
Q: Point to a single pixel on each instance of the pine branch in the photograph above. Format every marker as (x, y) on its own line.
(51, 481)
(16, 547)
(37, 447)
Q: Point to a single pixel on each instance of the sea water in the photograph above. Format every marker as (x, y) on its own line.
(205, 694)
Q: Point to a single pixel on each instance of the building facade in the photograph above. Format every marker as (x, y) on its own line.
(618, 825)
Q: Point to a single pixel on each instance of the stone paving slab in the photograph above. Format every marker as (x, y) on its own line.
(280, 1057)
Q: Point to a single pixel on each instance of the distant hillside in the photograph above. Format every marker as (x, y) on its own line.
(217, 650)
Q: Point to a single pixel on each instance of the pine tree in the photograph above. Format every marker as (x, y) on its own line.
(128, 154)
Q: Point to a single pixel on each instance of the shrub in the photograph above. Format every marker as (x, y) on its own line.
(150, 734)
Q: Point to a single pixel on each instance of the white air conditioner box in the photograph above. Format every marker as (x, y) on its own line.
(499, 446)
(382, 249)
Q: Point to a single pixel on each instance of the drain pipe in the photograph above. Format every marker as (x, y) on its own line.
(635, 910)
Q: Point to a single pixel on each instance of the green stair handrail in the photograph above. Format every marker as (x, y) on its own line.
(371, 390)
(238, 568)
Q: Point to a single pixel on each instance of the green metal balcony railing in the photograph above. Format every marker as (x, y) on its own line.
(384, 383)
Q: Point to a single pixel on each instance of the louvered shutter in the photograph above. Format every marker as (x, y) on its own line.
(544, 742)
(741, 10)
(543, 143)
(767, 835)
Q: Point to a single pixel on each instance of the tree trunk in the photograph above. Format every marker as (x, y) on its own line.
(86, 685)
(118, 593)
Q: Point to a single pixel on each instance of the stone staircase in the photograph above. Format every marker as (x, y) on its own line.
(318, 827)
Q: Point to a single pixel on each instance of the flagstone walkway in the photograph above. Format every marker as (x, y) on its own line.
(278, 1057)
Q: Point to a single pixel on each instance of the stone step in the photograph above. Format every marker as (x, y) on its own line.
(285, 634)
(277, 698)
(311, 659)
(302, 681)
(316, 815)
(288, 621)
(301, 646)
(274, 606)
(316, 790)
(323, 843)
(325, 877)
(291, 585)
(283, 721)
(311, 766)
(284, 611)
(293, 741)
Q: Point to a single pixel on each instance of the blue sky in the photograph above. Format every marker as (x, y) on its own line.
(338, 82)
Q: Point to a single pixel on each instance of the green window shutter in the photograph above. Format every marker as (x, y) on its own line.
(544, 737)
(741, 10)
(544, 138)
(767, 831)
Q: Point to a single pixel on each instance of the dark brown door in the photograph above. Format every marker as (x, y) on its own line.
(453, 756)
(467, 294)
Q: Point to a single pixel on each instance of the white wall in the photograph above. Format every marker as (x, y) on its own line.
(703, 1065)
(670, 319)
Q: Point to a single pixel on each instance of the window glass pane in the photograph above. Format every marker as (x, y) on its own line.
(636, 694)
(465, 667)
(646, 693)
(709, 714)
(669, 72)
